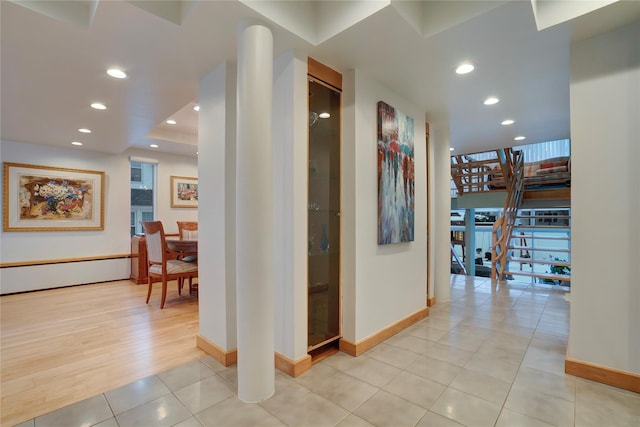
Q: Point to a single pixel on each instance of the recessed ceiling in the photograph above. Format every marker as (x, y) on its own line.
(54, 60)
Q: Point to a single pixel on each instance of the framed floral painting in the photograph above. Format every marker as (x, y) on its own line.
(45, 198)
(184, 192)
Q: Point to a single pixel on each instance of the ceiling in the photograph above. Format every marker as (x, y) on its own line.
(54, 56)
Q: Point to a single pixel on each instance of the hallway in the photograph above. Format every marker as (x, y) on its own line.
(493, 356)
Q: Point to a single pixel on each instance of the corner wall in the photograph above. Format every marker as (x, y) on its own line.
(113, 240)
(381, 285)
(605, 133)
(217, 228)
(441, 213)
(290, 149)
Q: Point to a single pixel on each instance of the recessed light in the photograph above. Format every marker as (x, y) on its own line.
(519, 138)
(465, 68)
(153, 145)
(84, 130)
(171, 122)
(196, 108)
(98, 106)
(76, 143)
(116, 73)
(491, 100)
(451, 148)
(324, 115)
(507, 122)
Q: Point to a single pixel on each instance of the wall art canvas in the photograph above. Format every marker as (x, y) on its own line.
(184, 192)
(45, 198)
(395, 176)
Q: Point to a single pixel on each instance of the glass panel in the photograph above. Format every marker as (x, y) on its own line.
(142, 195)
(324, 214)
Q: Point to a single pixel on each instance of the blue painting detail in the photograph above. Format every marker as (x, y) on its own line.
(396, 176)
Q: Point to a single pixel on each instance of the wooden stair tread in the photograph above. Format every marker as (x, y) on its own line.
(549, 276)
(538, 261)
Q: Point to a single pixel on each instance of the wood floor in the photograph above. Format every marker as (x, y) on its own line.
(61, 346)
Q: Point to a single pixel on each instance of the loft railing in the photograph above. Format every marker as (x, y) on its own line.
(512, 163)
(473, 174)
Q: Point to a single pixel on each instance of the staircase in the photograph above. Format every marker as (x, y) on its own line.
(525, 242)
(540, 247)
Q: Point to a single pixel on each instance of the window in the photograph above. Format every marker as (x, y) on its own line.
(136, 174)
(143, 177)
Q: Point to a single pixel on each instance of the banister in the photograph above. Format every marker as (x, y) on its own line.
(512, 163)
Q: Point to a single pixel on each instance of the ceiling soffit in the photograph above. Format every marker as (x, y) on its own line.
(429, 18)
(588, 18)
(175, 11)
(552, 12)
(316, 21)
(78, 12)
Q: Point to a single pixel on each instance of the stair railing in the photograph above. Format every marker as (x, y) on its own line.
(512, 163)
(458, 262)
(474, 176)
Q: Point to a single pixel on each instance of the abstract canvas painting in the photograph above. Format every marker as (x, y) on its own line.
(395, 176)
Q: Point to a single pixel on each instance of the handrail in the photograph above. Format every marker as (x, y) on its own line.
(457, 258)
(512, 163)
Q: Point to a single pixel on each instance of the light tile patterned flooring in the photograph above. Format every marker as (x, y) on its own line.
(493, 356)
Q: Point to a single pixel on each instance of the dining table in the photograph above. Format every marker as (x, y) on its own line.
(183, 247)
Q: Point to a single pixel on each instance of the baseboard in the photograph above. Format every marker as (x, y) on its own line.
(603, 374)
(431, 301)
(293, 368)
(226, 358)
(62, 261)
(356, 349)
(290, 367)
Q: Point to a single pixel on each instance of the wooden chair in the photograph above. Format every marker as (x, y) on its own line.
(162, 269)
(188, 230)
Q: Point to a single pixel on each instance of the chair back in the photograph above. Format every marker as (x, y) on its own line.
(154, 235)
(188, 230)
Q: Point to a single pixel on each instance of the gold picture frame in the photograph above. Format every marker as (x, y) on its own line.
(47, 198)
(184, 192)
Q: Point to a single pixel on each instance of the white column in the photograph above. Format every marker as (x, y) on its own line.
(442, 213)
(254, 213)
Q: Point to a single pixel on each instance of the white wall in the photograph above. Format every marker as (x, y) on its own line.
(217, 225)
(113, 240)
(290, 145)
(382, 284)
(605, 133)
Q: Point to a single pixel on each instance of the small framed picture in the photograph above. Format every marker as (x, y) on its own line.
(184, 192)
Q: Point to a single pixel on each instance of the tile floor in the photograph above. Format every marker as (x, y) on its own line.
(493, 356)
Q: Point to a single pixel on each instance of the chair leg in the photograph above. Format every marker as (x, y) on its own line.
(164, 293)
(149, 290)
(180, 285)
